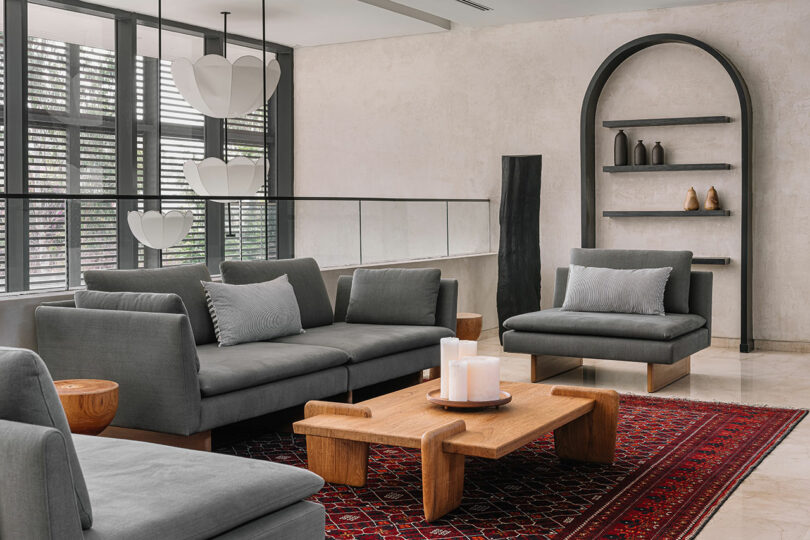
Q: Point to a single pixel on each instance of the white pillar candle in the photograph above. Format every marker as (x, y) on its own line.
(448, 348)
(467, 348)
(458, 380)
(483, 378)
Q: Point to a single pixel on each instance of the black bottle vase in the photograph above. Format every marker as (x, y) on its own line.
(620, 148)
(640, 154)
(657, 154)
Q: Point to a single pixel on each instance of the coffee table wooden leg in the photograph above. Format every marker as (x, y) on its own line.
(442, 473)
(337, 461)
(591, 437)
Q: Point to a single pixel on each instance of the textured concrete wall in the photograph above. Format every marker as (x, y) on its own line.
(431, 115)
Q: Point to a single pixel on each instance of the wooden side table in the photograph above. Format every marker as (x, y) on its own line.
(90, 404)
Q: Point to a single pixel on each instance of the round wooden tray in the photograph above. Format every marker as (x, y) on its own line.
(434, 397)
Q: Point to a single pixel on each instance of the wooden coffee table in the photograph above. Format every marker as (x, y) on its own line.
(583, 420)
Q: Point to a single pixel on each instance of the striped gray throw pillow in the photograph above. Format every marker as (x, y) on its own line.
(616, 291)
(253, 312)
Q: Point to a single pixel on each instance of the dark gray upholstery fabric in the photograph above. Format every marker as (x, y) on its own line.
(304, 276)
(150, 491)
(676, 296)
(37, 499)
(700, 296)
(131, 301)
(225, 369)
(151, 356)
(446, 304)
(27, 395)
(608, 348)
(560, 285)
(366, 341)
(625, 325)
(404, 296)
(184, 281)
(233, 407)
(254, 311)
(392, 366)
(303, 520)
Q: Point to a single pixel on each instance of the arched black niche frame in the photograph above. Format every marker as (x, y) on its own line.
(588, 158)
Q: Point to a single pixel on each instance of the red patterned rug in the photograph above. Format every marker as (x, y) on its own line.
(676, 462)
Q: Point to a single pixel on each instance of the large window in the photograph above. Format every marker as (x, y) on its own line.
(77, 177)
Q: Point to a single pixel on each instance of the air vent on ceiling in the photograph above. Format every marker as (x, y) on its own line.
(479, 7)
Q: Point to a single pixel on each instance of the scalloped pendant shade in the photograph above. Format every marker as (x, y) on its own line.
(159, 230)
(213, 177)
(221, 89)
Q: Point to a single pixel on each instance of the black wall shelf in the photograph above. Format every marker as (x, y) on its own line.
(682, 121)
(666, 168)
(711, 260)
(665, 213)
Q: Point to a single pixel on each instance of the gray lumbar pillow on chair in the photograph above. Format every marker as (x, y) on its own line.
(27, 395)
(617, 291)
(253, 312)
(394, 296)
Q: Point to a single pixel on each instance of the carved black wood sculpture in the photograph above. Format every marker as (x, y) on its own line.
(519, 251)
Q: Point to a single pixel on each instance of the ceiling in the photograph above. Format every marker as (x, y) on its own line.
(319, 22)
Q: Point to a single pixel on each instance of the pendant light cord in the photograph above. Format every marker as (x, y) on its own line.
(264, 98)
(159, 84)
(225, 55)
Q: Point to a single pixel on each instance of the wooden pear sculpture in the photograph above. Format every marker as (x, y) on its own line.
(712, 202)
(691, 203)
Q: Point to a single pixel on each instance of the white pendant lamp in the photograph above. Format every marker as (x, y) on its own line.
(160, 230)
(213, 177)
(221, 89)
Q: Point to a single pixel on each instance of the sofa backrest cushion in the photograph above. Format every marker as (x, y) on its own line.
(185, 281)
(304, 276)
(676, 294)
(394, 296)
(27, 395)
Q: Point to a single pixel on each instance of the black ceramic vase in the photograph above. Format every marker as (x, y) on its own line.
(657, 154)
(640, 154)
(620, 148)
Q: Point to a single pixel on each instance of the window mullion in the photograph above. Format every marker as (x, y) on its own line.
(126, 136)
(73, 208)
(214, 212)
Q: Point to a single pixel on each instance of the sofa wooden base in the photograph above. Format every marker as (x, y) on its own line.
(661, 375)
(544, 366)
(197, 441)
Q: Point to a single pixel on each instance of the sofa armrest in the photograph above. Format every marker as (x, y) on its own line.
(36, 493)
(152, 356)
(344, 291)
(446, 304)
(560, 284)
(700, 297)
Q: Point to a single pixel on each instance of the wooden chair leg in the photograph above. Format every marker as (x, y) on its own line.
(544, 366)
(661, 375)
(591, 437)
(337, 460)
(442, 473)
(434, 373)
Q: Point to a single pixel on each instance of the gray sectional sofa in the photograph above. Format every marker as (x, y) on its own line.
(54, 485)
(175, 379)
(559, 340)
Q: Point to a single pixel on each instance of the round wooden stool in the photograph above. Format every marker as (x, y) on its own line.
(90, 404)
(468, 326)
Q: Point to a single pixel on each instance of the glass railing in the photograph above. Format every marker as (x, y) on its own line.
(348, 232)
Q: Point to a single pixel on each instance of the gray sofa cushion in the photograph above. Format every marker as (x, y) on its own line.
(366, 341)
(184, 281)
(226, 369)
(150, 491)
(394, 296)
(611, 290)
(622, 325)
(676, 295)
(304, 276)
(27, 395)
(254, 311)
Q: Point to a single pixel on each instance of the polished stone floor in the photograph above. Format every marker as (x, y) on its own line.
(774, 501)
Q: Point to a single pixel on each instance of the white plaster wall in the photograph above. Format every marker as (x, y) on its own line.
(430, 116)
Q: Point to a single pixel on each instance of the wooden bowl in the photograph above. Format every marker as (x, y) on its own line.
(434, 396)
